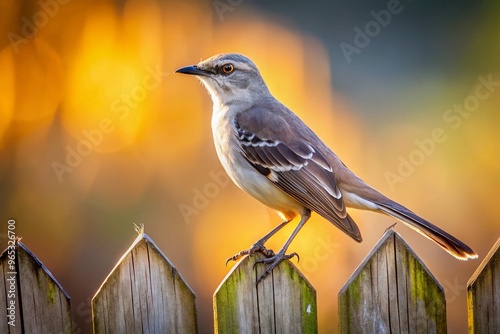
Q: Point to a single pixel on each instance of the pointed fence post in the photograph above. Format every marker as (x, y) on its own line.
(34, 300)
(483, 294)
(144, 293)
(284, 302)
(392, 292)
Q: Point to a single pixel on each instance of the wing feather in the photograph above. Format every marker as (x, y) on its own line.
(301, 171)
(289, 156)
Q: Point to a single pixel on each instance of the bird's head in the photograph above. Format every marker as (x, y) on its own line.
(230, 78)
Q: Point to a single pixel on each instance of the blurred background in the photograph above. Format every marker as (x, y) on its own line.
(97, 132)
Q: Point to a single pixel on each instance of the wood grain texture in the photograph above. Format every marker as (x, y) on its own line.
(483, 294)
(41, 305)
(144, 293)
(285, 302)
(392, 292)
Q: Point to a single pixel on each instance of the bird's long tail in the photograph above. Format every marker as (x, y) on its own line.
(448, 242)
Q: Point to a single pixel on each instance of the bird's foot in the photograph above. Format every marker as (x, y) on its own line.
(256, 247)
(273, 261)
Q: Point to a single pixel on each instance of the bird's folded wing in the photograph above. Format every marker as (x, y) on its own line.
(294, 166)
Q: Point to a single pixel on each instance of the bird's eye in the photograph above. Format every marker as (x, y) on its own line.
(227, 68)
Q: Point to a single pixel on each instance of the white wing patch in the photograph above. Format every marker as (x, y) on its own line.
(273, 176)
(277, 160)
(273, 158)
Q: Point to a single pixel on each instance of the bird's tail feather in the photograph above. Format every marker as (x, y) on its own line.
(448, 242)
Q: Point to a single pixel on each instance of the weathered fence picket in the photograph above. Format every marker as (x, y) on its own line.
(40, 304)
(144, 293)
(285, 302)
(483, 294)
(391, 291)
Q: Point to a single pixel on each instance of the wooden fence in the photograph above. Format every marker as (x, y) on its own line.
(391, 292)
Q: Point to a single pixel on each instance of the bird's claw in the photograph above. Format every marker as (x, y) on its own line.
(274, 261)
(257, 247)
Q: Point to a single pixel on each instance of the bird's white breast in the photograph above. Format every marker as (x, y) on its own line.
(244, 175)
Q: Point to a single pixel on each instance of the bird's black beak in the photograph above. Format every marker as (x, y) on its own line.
(193, 69)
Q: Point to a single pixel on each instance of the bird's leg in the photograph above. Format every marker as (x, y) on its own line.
(280, 256)
(258, 246)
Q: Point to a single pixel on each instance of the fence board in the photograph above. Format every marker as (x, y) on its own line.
(285, 302)
(392, 292)
(483, 294)
(144, 293)
(40, 303)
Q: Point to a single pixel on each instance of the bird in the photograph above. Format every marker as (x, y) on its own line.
(272, 155)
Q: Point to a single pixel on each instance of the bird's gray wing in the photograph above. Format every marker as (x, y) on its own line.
(293, 164)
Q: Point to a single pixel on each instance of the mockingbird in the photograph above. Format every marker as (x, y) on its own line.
(272, 155)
